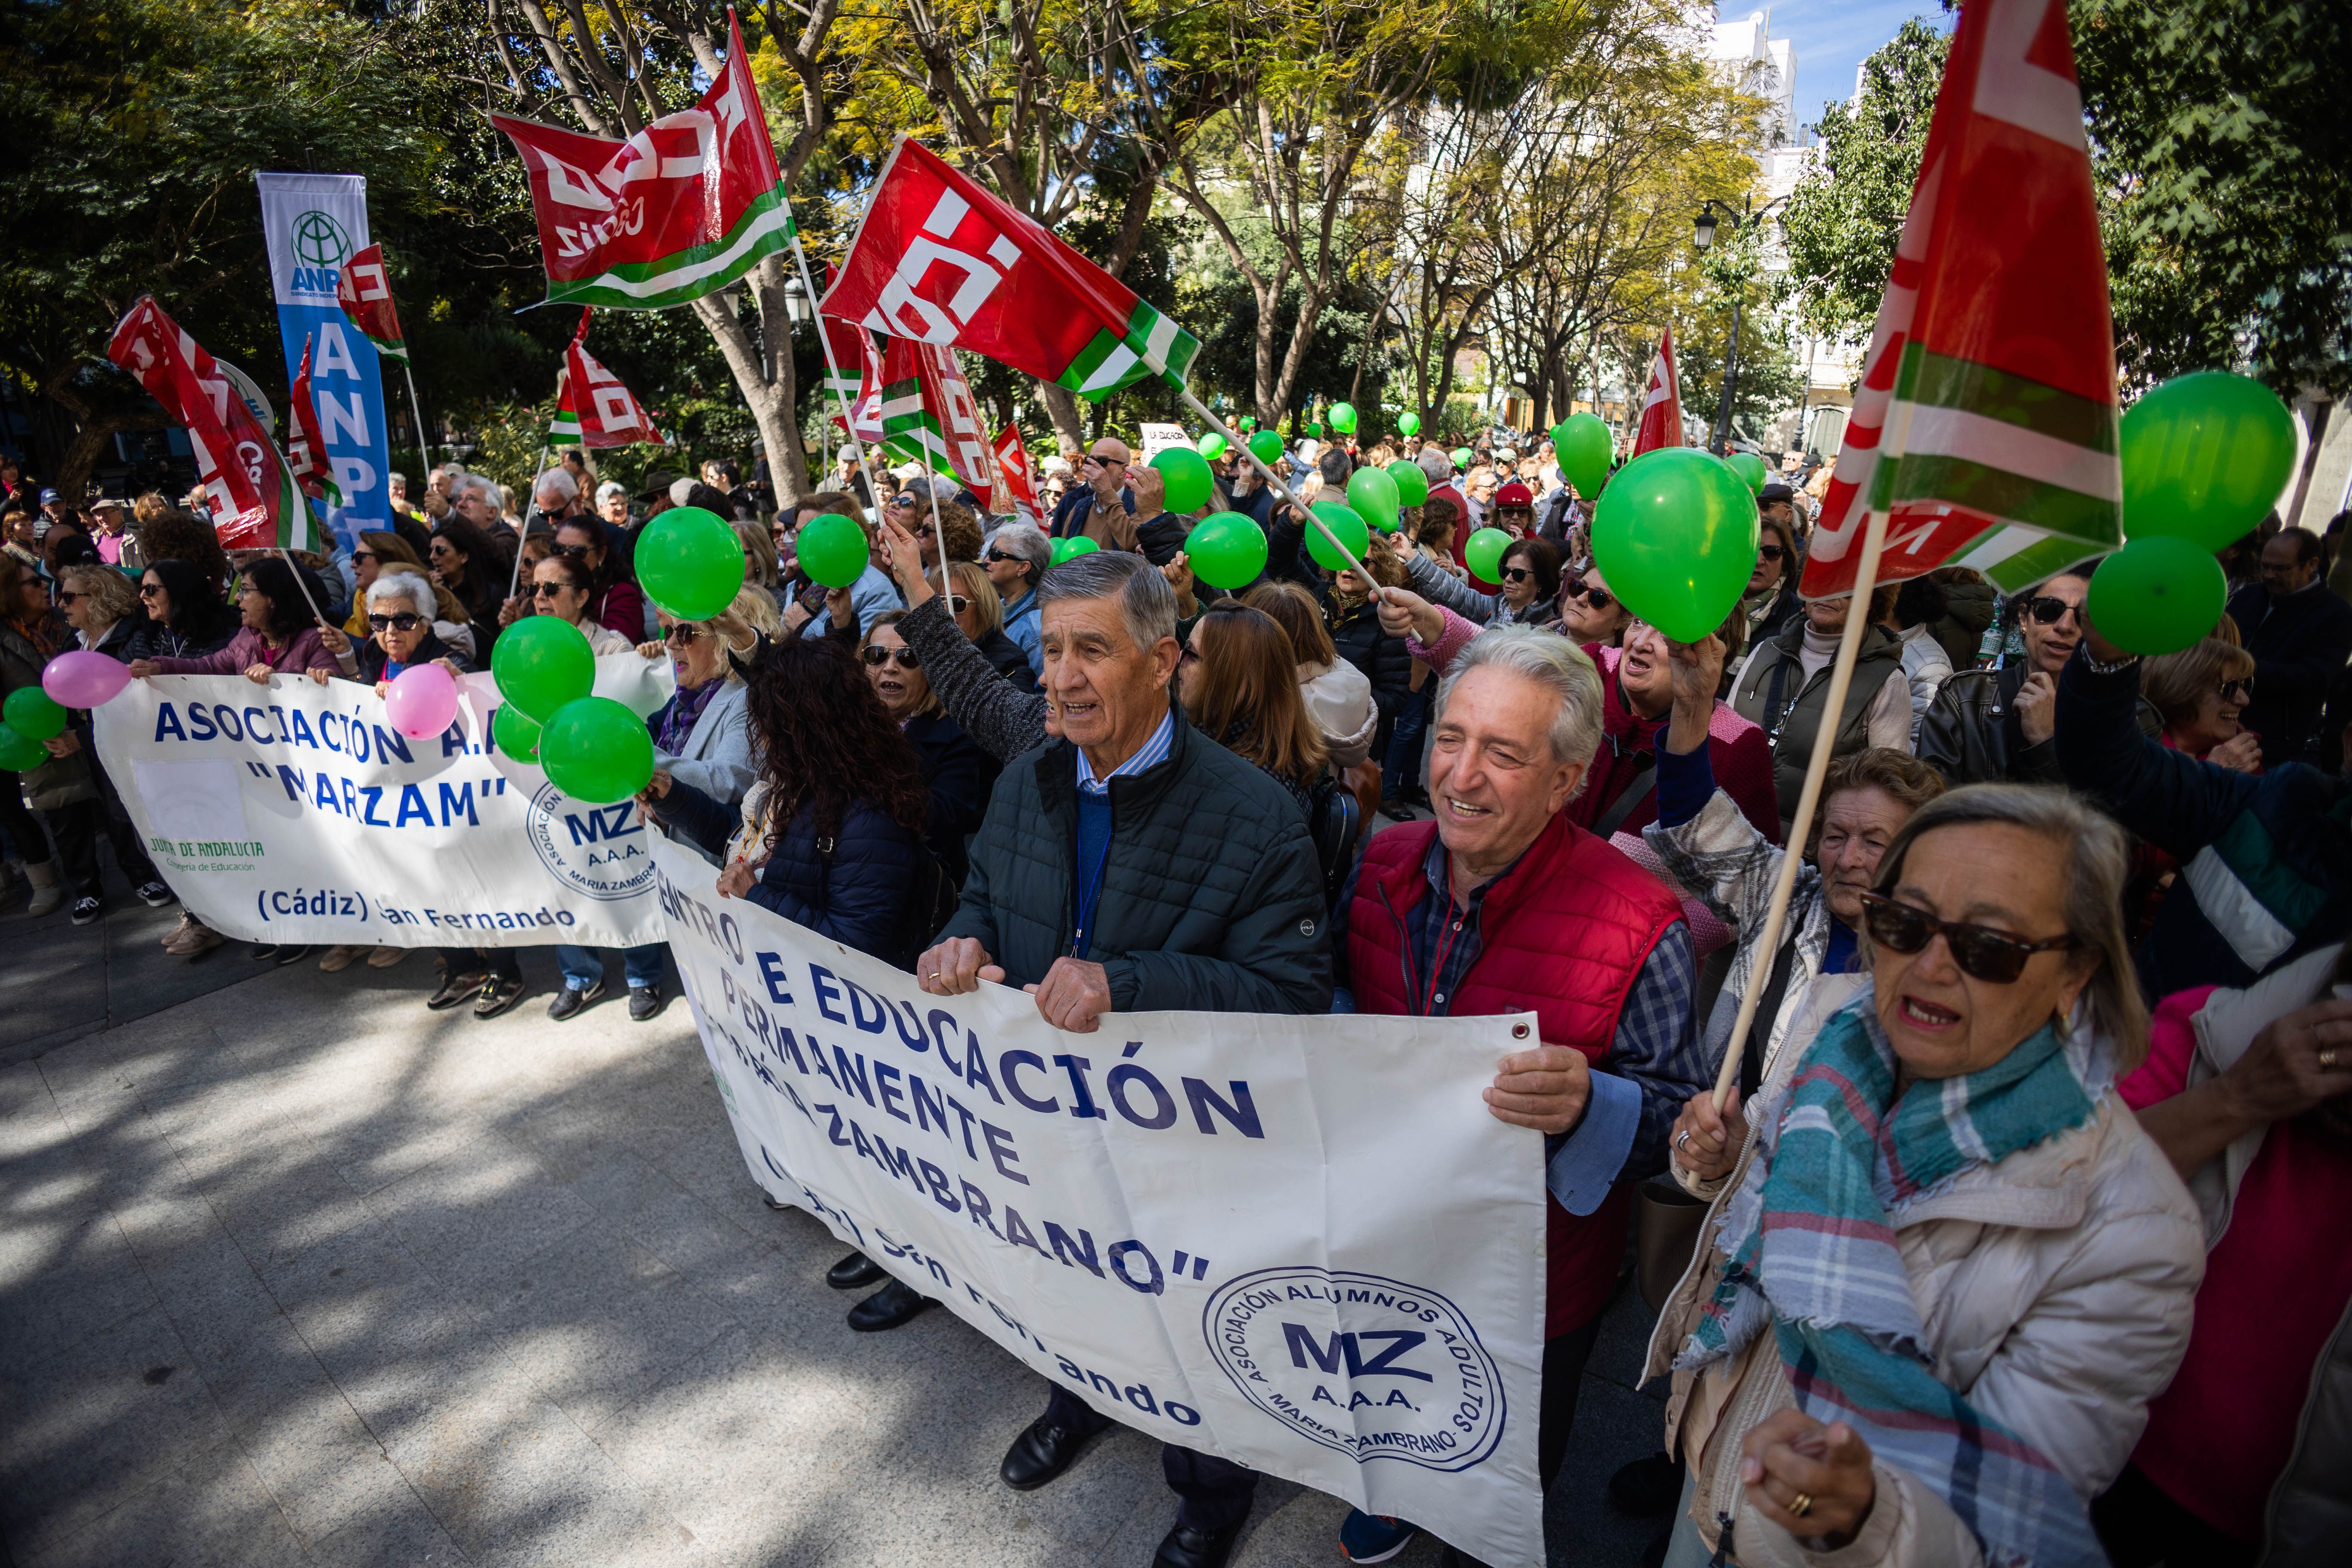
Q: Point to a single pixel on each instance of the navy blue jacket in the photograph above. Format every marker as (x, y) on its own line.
(858, 890)
(1071, 512)
(2300, 643)
(961, 777)
(2266, 860)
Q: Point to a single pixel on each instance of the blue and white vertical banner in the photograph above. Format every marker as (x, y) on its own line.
(312, 224)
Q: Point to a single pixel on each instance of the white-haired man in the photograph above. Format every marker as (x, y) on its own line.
(1504, 905)
(554, 496)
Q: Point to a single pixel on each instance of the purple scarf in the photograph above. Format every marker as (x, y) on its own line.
(684, 710)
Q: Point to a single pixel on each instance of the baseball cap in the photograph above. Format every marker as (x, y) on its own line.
(48, 496)
(1514, 494)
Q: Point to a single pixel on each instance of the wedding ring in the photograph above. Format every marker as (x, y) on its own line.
(1802, 1504)
(935, 974)
(1682, 1139)
(2327, 1057)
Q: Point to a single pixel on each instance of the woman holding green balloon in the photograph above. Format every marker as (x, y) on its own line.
(1529, 572)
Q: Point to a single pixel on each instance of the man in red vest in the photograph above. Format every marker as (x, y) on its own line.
(1504, 905)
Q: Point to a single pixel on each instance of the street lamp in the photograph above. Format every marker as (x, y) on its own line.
(796, 301)
(1702, 229)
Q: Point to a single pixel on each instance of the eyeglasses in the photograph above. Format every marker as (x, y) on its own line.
(577, 552)
(2237, 691)
(549, 590)
(1981, 953)
(403, 622)
(904, 657)
(151, 590)
(67, 595)
(360, 555)
(1599, 599)
(2050, 610)
(1769, 553)
(1515, 574)
(682, 631)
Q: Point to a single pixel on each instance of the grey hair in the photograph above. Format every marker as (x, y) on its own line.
(404, 585)
(2099, 864)
(486, 488)
(1028, 541)
(1437, 465)
(609, 489)
(1146, 603)
(1552, 662)
(558, 480)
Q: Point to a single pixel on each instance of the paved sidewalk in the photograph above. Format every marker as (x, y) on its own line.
(298, 1272)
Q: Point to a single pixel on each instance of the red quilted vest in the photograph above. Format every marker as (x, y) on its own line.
(1565, 932)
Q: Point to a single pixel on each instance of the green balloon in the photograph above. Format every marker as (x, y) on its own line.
(1462, 455)
(1675, 535)
(1245, 424)
(1212, 445)
(1483, 553)
(516, 733)
(1409, 424)
(1314, 428)
(1344, 521)
(832, 549)
(1188, 478)
(1079, 545)
(542, 663)
(33, 713)
(690, 562)
(2204, 458)
(2158, 594)
(1343, 418)
(1583, 446)
(1266, 447)
(20, 754)
(596, 751)
(1413, 485)
(1226, 550)
(1750, 469)
(1375, 497)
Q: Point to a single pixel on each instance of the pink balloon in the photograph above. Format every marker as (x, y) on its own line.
(83, 678)
(421, 702)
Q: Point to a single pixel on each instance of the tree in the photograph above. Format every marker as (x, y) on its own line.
(1844, 217)
(135, 127)
(2224, 162)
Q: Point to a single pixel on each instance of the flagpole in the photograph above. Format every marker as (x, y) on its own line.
(1817, 767)
(1282, 489)
(841, 398)
(416, 412)
(514, 585)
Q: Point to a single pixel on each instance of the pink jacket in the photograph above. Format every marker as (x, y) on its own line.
(247, 650)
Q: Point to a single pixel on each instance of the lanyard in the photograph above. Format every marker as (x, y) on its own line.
(1086, 892)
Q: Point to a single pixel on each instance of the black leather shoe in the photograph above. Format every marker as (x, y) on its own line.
(854, 1272)
(1185, 1547)
(1042, 1452)
(644, 1001)
(571, 999)
(888, 1308)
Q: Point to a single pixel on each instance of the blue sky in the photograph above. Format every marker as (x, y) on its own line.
(1831, 37)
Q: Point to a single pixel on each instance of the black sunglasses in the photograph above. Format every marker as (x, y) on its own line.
(577, 552)
(547, 590)
(1769, 553)
(683, 632)
(2237, 691)
(149, 590)
(1981, 953)
(1599, 599)
(1515, 574)
(2050, 610)
(360, 555)
(995, 554)
(67, 595)
(403, 622)
(905, 656)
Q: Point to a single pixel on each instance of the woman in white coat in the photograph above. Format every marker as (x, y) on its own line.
(1931, 1306)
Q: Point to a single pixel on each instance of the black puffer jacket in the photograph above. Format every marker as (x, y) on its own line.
(1384, 660)
(1212, 898)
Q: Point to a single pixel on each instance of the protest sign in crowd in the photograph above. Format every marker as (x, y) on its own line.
(1906, 898)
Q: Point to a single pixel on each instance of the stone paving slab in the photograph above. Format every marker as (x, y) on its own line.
(294, 1271)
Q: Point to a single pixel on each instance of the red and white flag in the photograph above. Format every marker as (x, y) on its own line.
(591, 408)
(1662, 404)
(683, 208)
(929, 416)
(314, 475)
(1018, 493)
(366, 294)
(255, 504)
(1986, 425)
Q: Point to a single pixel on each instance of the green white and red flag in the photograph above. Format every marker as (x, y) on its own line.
(939, 259)
(684, 209)
(366, 294)
(254, 502)
(1986, 422)
(929, 416)
(1018, 494)
(1662, 403)
(314, 473)
(591, 408)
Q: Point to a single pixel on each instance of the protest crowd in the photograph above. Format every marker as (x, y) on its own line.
(2055, 1007)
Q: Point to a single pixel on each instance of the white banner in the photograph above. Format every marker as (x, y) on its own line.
(1303, 1244)
(296, 812)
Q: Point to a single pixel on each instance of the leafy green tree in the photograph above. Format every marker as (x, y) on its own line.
(134, 130)
(1844, 218)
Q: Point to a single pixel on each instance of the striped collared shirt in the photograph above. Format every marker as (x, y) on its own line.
(1153, 751)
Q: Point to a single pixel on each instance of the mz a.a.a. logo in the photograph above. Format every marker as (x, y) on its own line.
(1366, 1365)
(320, 246)
(600, 850)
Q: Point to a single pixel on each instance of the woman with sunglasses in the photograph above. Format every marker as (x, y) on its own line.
(615, 600)
(2200, 693)
(1530, 572)
(564, 587)
(185, 613)
(1770, 598)
(278, 636)
(979, 615)
(1933, 1301)
(957, 772)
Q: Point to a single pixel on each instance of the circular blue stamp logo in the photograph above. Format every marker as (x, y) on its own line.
(601, 851)
(1371, 1367)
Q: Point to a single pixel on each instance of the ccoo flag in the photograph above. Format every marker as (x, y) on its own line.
(366, 294)
(255, 505)
(939, 259)
(1662, 404)
(591, 408)
(314, 476)
(683, 208)
(1985, 426)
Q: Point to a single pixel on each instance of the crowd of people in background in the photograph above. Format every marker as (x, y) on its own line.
(2024, 1232)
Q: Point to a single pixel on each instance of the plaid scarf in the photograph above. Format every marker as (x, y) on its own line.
(1810, 1244)
(677, 721)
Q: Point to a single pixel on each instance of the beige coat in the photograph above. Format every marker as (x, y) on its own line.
(2054, 1287)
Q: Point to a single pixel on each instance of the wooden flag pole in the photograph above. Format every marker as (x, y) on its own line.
(848, 421)
(416, 412)
(1282, 489)
(538, 466)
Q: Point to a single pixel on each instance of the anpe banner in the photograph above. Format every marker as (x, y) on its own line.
(1303, 1244)
(311, 225)
(296, 812)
